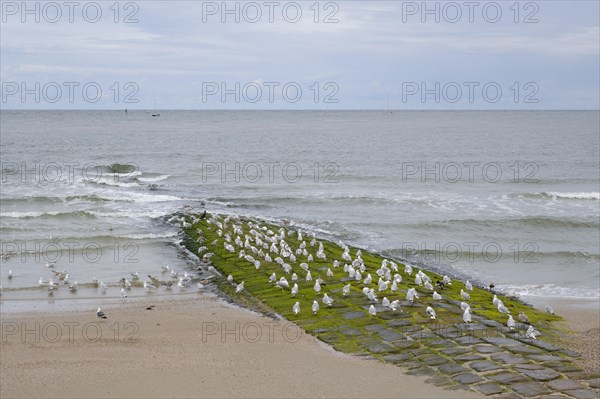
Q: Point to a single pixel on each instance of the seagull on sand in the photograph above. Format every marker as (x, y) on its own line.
(372, 311)
(464, 295)
(100, 314)
(315, 307)
(430, 312)
(103, 287)
(148, 287)
(123, 293)
(240, 287)
(511, 322)
(296, 308)
(523, 318)
(327, 300)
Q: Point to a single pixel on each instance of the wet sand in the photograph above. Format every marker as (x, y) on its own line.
(196, 347)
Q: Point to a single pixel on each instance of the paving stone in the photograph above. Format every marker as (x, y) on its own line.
(508, 358)
(410, 364)
(594, 383)
(422, 335)
(488, 388)
(544, 345)
(467, 378)
(564, 385)
(390, 335)
(491, 323)
(579, 375)
(354, 315)
(468, 357)
(530, 389)
(418, 351)
(464, 327)
(510, 395)
(386, 314)
(583, 394)
(404, 344)
(562, 367)
(506, 377)
(452, 368)
(525, 349)
(421, 371)
(434, 360)
(442, 343)
(529, 366)
(397, 357)
(488, 349)
(571, 353)
(398, 323)
(378, 347)
(541, 375)
(548, 358)
(500, 341)
(484, 365)
(350, 331)
(374, 327)
(468, 340)
(455, 351)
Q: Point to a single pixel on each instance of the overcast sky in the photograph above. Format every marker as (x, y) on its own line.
(349, 55)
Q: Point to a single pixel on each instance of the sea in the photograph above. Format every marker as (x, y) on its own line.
(509, 198)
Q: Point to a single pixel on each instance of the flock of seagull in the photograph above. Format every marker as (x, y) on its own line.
(261, 244)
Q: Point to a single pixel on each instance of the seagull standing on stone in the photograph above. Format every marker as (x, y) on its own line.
(467, 315)
(532, 333)
(372, 311)
(430, 312)
(511, 322)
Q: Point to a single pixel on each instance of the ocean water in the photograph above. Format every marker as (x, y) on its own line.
(502, 197)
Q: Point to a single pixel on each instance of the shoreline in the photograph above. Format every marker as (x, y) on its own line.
(188, 348)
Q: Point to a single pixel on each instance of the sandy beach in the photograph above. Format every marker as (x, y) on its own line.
(196, 347)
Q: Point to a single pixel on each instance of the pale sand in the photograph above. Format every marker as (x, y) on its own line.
(172, 358)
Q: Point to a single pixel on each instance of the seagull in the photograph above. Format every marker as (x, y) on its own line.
(410, 296)
(327, 300)
(315, 307)
(385, 302)
(346, 289)
(295, 289)
(294, 277)
(372, 311)
(240, 287)
(408, 269)
(511, 322)
(446, 280)
(123, 293)
(495, 301)
(368, 279)
(165, 268)
(283, 283)
(418, 280)
(272, 278)
(103, 287)
(532, 333)
(135, 275)
(523, 318)
(436, 296)
(464, 306)
(73, 286)
(371, 295)
(428, 285)
(430, 312)
(296, 308)
(308, 276)
(395, 305)
(100, 314)
(469, 286)
(148, 287)
(317, 287)
(549, 309)
(467, 315)
(50, 265)
(10, 275)
(230, 278)
(383, 285)
(464, 295)
(329, 273)
(503, 309)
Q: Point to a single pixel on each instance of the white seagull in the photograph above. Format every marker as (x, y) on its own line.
(295, 289)
(430, 312)
(436, 296)
(372, 311)
(315, 307)
(467, 315)
(296, 308)
(511, 322)
(346, 289)
(100, 314)
(464, 295)
(240, 287)
(532, 333)
(327, 300)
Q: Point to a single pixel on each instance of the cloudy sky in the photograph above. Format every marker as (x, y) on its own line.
(300, 55)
